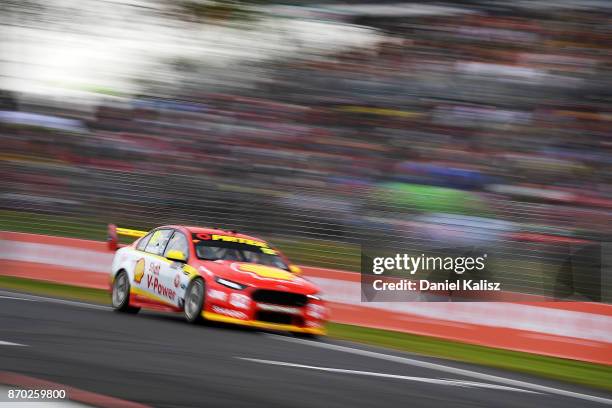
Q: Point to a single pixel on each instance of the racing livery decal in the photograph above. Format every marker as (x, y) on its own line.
(139, 270)
(157, 287)
(267, 271)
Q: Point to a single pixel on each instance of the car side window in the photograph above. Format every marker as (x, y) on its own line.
(178, 242)
(144, 241)
(157, 242)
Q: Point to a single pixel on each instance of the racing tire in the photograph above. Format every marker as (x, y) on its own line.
(194, 300)
(121, 294)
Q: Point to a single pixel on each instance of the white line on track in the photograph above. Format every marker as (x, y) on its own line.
(451, 382)
(24, 296)
(8, 343)
(447, 369)
(17, 298)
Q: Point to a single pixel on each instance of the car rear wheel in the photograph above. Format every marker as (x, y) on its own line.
(194, 299)
(121, 294)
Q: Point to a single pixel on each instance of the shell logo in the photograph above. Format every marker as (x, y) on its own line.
(267, 271)
(139, 270)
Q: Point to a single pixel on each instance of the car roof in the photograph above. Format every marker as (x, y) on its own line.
(218, 231)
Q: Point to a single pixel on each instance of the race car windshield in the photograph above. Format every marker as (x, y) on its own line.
(233, 251)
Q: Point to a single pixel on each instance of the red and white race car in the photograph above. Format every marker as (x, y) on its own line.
(213, 274)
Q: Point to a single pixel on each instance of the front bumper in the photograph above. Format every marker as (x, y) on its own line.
(318, 331)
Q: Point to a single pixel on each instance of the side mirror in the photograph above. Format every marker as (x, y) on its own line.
(176, 255)
(295, 269)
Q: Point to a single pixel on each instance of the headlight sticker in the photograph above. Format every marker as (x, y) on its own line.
(240, 301)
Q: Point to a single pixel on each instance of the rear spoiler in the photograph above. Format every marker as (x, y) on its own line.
(114, 232)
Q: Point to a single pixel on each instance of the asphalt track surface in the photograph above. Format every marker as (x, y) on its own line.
(159, 360)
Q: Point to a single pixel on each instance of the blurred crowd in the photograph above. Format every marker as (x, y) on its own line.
(489, 127)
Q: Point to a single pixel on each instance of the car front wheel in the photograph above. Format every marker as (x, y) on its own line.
(194, 299)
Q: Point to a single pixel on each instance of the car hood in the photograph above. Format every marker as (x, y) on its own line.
(259, 276)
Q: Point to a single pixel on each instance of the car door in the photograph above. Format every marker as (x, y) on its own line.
(171, 273)
(148, 276)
